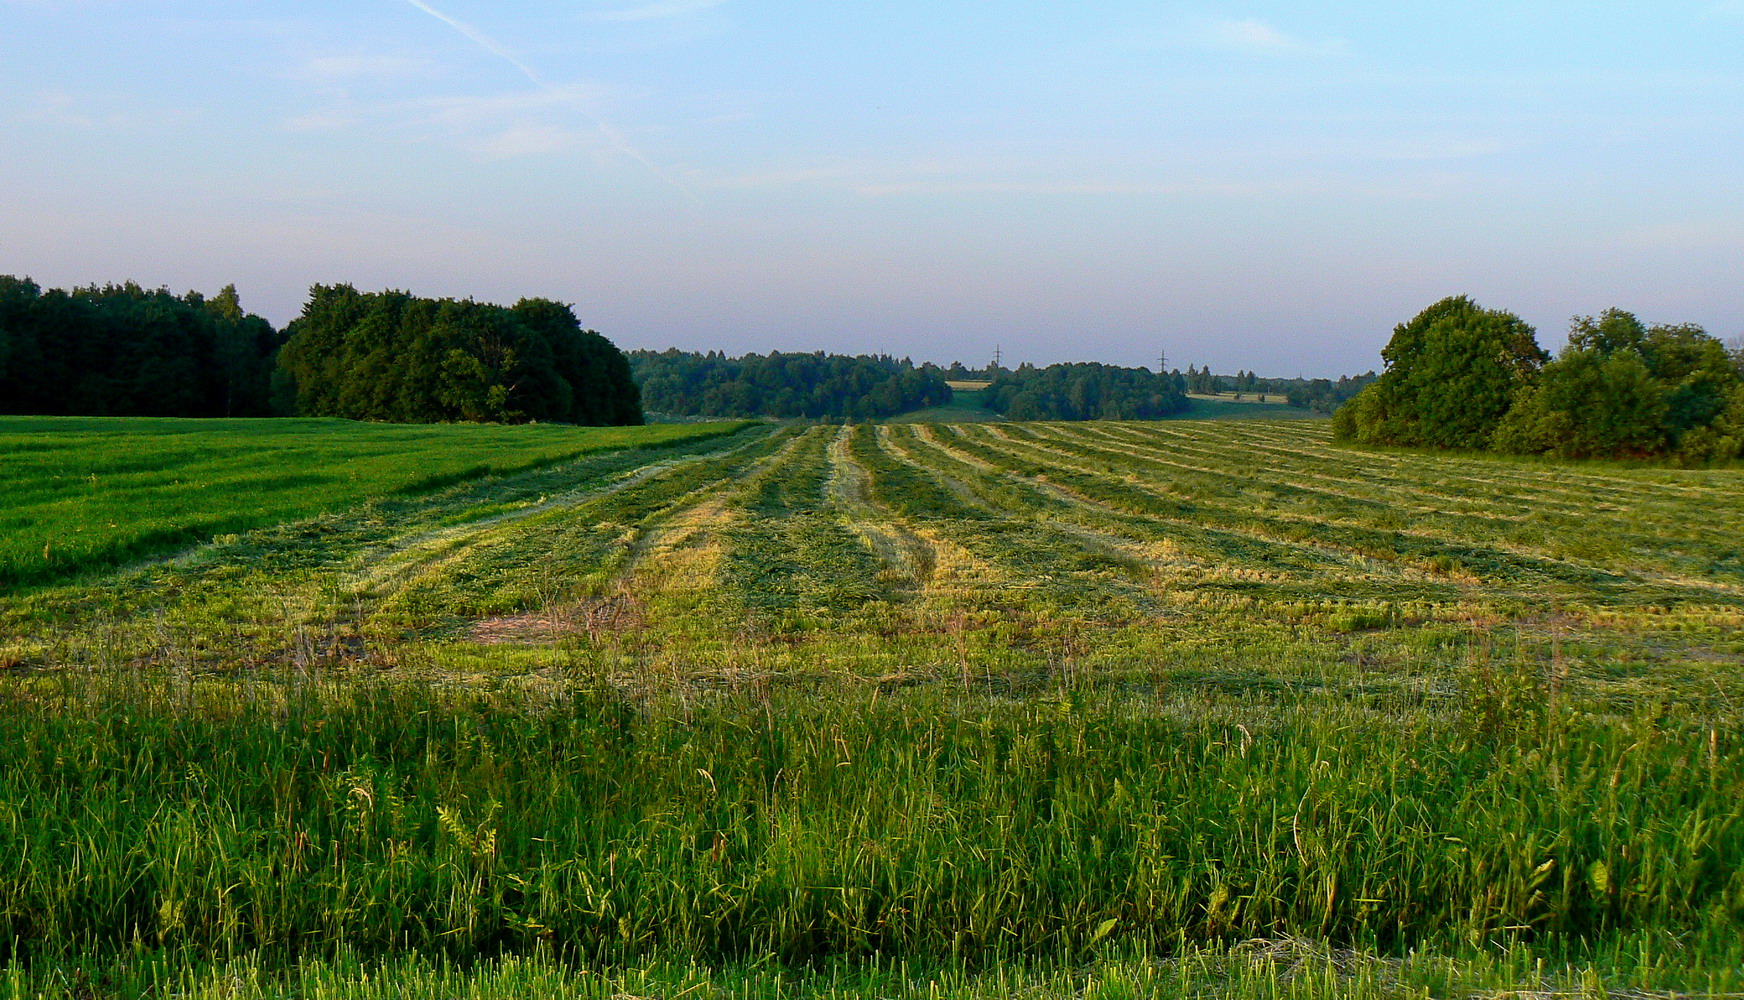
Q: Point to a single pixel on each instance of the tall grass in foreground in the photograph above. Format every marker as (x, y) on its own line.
(215, 819)
(1640, 968)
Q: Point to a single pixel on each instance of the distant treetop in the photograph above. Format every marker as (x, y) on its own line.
(1083, 391)
(786, 385)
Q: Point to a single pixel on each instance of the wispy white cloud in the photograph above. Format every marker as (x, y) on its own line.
(531, 140)
(60, 108)
(325, 69)
(114, 112)
(480, 39)
(773, 178)
(1257, 37)
(321, 121)
(1206, 187)
(613, 134)
(657, 10)
(470, 110)
(1727, 8)
(1421, 150)
(1004, 178)
(459, 111)
(495, 126)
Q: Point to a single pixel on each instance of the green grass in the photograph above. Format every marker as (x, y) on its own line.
(799, 824)
(964, 407)
(1115, 709)
(85, 492)
(1261, 970)
(1247, 408)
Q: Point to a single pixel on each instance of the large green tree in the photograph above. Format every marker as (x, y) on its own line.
(1451, 376)
(586, 365)
(396, 357)
(1624, 389)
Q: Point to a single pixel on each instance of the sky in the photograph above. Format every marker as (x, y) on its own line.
(1263, 186)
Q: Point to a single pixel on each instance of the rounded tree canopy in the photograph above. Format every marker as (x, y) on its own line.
(395, 357)
(1451, 375)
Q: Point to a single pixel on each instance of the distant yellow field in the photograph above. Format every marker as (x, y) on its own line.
(966, 385)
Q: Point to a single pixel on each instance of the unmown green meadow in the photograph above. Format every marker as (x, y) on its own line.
(94, 492)
(1248, 407)
(1170, 709)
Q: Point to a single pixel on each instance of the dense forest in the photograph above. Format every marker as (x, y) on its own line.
(396, 357)
(1083, 391)
(123, 350)
(819, 385)
(1462, 376)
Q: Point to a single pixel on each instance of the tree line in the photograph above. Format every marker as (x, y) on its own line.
(124, 350)
(786, 385)
(1083, 391)
(1318, 394)
(1459, 375)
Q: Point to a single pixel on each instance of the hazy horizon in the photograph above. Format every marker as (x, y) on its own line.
(1263, 186)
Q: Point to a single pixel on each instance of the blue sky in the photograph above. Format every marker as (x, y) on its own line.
(1260, 185)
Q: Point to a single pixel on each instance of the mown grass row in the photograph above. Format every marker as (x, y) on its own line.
(832, 700)
(793, 566)
(1640, 510)
(1636, 530)
(1166, 490)
(1285, 539)
(1101, 538)
(216, 819)
(558, 554)
(384, 569)
(1050, 568)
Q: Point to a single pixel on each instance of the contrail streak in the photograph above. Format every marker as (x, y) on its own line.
(483, 40)
(496, 48)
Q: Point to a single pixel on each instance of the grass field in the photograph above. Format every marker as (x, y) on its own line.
(88, 492)
(1165, 709)
(1249, 407)
(964, 408)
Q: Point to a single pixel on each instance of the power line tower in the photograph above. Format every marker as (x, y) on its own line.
(998, 357)
(1162, 362)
